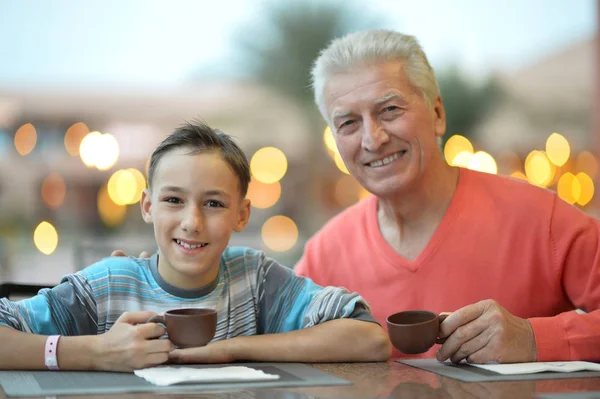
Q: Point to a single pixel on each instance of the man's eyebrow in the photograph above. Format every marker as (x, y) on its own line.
(392, 96)
(338, 114)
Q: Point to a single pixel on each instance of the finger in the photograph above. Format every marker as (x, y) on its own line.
(135, 317)
(461, 317)
(190, 355)
(151, 330)
(118, 252)
(459, 337)
(160, 346)
(470, 347)
(144, 254)
(154, 359)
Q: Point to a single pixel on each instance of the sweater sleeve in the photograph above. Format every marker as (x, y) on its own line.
(288, 302)
(67, 309)
(575, 238)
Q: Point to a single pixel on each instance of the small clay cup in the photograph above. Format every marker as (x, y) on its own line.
(188, 328)
(414, 331)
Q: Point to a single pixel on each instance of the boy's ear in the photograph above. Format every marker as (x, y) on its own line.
(244, 216)
(146, 206)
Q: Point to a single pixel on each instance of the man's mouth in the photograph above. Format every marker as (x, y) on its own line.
(187, 245)
(386, 160)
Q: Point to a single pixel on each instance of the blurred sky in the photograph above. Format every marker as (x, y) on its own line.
(162, 43)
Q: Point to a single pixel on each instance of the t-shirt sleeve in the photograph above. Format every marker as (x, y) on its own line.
(288, 302)
(67, 309)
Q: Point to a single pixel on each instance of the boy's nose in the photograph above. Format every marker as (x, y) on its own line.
(193, 221)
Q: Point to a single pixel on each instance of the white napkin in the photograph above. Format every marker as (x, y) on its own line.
(538, 367)
(163, 376)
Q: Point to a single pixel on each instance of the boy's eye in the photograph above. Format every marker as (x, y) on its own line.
(172, 200)
(214, 204)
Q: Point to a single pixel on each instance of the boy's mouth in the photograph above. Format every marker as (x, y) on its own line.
(190, 244)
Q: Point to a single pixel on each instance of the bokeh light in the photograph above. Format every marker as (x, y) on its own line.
(88, 149)
(569, 188)
(539, 169)
(339, 162)
(347, 191)
(587, 188)
(54, 190)
(107, 150)
(462, 159)
(25, 139)
(74, 136)
(483, 162)
(123, 187)
(45, 238)
(519, 175)
(279, 233)
(557, 149)
(329, 141)
(263, 195)
(110, 213)
(268, 165)
(454, 146)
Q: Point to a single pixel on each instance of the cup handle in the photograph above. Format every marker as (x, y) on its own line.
(159, 318)
(442, 316)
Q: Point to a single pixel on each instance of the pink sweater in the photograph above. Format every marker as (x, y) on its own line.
(500, 238)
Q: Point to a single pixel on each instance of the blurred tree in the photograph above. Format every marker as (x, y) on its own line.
(466, 102)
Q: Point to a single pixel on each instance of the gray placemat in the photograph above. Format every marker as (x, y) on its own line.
(49, 383)
(466, 373)
(570, 395)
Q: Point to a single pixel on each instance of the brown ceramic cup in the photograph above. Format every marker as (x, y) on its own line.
(188, 328)
(415, 331)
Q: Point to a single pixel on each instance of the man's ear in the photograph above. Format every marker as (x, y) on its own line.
(244, 216)
(440, 117)
(146, 206)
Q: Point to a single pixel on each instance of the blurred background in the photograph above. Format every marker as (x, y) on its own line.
(88, 89)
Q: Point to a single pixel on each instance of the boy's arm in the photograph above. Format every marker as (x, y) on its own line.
(300, 321)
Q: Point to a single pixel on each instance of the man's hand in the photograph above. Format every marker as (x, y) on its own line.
(214, 352)
(485, 332)
(119, 252)
(129, 346)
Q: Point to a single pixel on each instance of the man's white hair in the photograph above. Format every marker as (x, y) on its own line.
(372, 47)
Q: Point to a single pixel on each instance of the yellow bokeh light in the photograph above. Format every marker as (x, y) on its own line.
(347, 191)
(462, 159)
(586, 162)
(25, 139)
(268, 165)
(263, 195)
(140, 184)
(54, 190)
(88, 149)
(483, 162)
(122, 187)
(279, 233)
(110, 213)
(539, 169)
(74, 136)
(363, 193)
(587, 188)
(107, 151)
(519, 175)
(45, 238)
(339, 162)
(455, 145)
(569, 188)
(329, 140)
(557, 149)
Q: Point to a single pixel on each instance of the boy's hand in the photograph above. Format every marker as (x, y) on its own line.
(214, 352)
(129, 345)
(119, 252)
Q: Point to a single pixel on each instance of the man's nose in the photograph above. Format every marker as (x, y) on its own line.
(374, 136)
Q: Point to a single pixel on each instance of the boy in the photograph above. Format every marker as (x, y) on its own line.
(197, 183)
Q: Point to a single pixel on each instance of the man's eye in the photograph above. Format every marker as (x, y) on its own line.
(214, 204)
(346, 123)
(172, 200)
(390, 108)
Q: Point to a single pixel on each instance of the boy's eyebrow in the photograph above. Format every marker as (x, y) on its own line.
(217, 192)
(176, 189)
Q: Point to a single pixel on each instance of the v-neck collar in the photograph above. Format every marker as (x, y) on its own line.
(436, 239)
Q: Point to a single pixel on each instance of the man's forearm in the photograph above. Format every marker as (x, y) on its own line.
(24, 351)
(342, 340)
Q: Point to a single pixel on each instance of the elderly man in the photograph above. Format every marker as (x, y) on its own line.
(510, 260)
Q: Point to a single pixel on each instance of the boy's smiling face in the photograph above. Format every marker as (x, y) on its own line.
(195, 204)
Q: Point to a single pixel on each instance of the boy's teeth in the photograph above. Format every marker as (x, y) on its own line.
(188, 246)
(385, 160)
